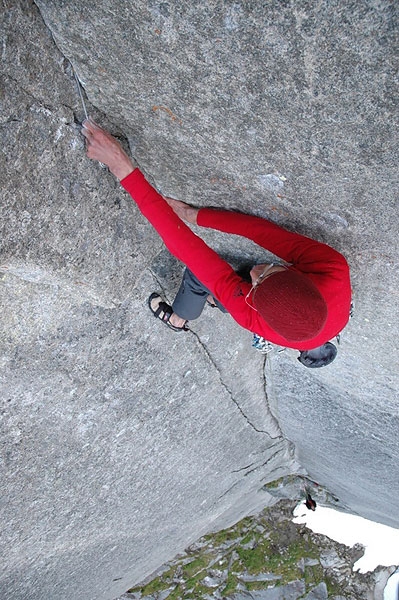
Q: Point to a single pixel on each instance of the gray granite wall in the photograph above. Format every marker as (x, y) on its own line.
(122, 443)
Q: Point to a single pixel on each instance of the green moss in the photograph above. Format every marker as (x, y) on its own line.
(263, 559)
(231, 584)
(176, 594)
(199, 592)
(192, 572)
(251, 535)
(195, 566)
(313, 576)
(302, 549)
(286, 564)
(163, 582)
(223, 536)
(282, 481)
(332, 587)
(193, 581)
(274, 484)
(227, 535)
(156, 585)
(254, 560)
(252, 586)
(288, 571)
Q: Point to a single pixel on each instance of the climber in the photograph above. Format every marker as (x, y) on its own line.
(301, 302)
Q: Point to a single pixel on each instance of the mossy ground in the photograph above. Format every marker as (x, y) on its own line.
(254, 546)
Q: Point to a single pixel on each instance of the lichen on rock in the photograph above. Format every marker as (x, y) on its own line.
(265, 557)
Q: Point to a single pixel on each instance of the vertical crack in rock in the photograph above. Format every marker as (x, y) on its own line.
(267, 363)
(225, 386)
(267, 461)
(266, 396)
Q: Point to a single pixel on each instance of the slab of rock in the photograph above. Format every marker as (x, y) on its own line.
(290, 113)
(290, 591)
(318, 593)
(330, 559)
(120, 442)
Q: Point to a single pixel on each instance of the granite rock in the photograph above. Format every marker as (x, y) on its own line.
(121, 443)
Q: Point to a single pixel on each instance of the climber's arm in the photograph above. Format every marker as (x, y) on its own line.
(210, 269)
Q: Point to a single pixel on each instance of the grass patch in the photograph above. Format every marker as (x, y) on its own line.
(231, 584)
(253, 586)
(333, 587)
(313, 576)
(199, 592)
(156, 585)
(197, 565)
(254, 560)
(194, 581)
(265, 558)
(274, 484)
(176, 594)
(226, 535)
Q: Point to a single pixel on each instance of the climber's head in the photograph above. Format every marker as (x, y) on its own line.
(288, 301)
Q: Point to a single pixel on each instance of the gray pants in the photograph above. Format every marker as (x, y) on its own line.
(191, 297)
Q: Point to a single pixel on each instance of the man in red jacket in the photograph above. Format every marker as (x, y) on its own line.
(302, 302)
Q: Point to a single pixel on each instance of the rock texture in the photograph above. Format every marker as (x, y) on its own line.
(122, 443)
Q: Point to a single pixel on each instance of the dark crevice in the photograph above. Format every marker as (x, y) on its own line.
(223, 384)
(229, 391)
(242, 468)
(229, 489)
(265, 393)
(265, 463)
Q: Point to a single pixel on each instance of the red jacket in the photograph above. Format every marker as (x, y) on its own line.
(326, 267)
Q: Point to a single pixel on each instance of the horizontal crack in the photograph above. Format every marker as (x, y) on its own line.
(276, 453)
(242, 468)
(265, 463)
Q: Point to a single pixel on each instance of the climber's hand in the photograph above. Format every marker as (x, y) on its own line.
(184, 211)
(101, 146)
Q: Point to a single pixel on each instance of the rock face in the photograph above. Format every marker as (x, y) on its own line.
(122, 443)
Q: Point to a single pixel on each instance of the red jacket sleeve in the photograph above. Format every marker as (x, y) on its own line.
(306, 254)
(205, 263)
